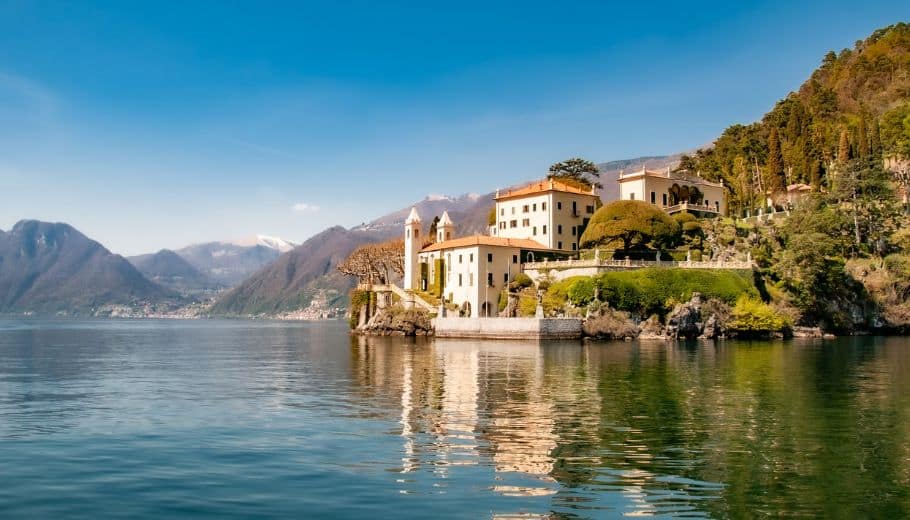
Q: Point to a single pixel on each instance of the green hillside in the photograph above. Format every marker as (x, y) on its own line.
(856, 105)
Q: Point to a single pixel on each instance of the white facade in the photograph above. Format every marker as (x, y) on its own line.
(549, 212)
(674, 192)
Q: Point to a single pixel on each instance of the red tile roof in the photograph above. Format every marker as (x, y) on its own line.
(484, 240)
(543, 187)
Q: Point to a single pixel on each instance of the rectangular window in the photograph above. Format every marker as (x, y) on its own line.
(665, 199)
(589, 209)
(471, 258)
(559, 205)
(449, 262)
(489, 279)
(514, 259)
(525, 222)
(489, 257)
(470, 279)
(574, 246)
(559, 229)
(513, 210)
(573, 231)
(533, 207)
(502, 212)
(524, 209)
(502, 225)
(460, 259)
(534, 230)
(653, 198)
(505, 278)
(459, 279)
(543, 206)
(545, 230)
(632, 196)
(558, 245)
(513, 223)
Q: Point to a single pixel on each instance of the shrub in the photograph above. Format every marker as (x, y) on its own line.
(521, 281)
(358, 300)
(752, 315)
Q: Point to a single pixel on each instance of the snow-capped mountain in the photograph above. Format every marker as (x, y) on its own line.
(278, 244)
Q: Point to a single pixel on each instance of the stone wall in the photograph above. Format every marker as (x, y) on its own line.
(508, 328)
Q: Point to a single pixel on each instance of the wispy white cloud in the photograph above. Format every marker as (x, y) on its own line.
(32, 94)
(305, 207)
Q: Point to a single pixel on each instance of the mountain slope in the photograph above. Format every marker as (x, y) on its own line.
(227, 263)
(170, 270)
(46, 268)
(296, 277)
(852, 106)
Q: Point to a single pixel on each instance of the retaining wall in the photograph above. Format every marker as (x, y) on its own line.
(508, 328)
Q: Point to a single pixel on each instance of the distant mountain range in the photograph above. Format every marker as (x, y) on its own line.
(296, 278)
(171, 270)
(48, 268)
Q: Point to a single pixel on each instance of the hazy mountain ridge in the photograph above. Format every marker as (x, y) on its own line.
(227, 263)
(295, 278)
(171, 270)
(51, 267)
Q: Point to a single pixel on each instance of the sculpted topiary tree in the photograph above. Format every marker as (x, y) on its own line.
(633, 224)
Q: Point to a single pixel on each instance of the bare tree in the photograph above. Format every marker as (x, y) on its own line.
(375, 263)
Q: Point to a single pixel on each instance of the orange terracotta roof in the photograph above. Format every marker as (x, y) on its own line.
(542, 187)
(484, 240)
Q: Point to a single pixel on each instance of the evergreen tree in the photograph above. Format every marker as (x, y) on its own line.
(774, 167)
(843, 147)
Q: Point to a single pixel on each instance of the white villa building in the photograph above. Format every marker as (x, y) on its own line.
(674, 192)
(540, 221)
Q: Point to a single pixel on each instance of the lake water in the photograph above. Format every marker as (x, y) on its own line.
(221, 419)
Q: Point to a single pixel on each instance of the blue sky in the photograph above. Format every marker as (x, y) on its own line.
(159, 124)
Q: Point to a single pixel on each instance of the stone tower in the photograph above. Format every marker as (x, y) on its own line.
(445, 228)
(412, 245)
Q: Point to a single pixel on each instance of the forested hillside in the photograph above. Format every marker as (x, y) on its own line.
(856, 105)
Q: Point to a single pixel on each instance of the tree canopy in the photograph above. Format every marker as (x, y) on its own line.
(633, 224)
(576, 171)
(375, 263)
(855, 105)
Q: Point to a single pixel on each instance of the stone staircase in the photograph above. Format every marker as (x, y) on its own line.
(407, 297)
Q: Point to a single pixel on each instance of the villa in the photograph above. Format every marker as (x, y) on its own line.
(536, 224)
(674, 192)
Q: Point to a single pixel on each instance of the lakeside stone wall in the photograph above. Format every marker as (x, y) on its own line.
(508, 328)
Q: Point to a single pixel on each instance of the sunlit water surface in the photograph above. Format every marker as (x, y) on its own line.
(220, 419)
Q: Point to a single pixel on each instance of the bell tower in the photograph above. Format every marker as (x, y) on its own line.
(412, 243)
(445, 228)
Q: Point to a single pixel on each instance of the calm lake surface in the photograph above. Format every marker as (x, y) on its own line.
(221, 419)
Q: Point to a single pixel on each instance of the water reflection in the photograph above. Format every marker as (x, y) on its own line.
(647, 428)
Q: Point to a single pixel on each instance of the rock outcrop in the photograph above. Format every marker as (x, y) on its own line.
(396, 321)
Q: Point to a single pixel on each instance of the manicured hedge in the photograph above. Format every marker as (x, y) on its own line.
(654, 290)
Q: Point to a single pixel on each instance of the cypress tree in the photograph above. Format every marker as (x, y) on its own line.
(843, 147)
(775, 164)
